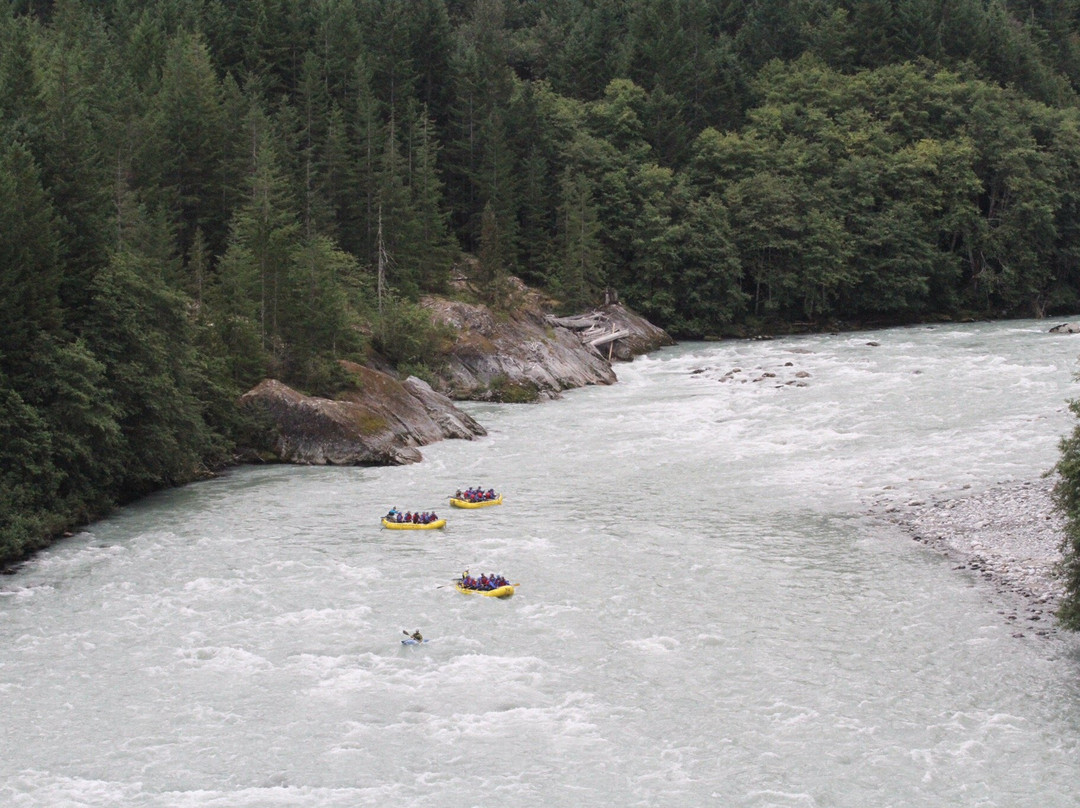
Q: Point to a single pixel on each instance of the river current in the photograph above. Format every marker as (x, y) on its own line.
(706, 615)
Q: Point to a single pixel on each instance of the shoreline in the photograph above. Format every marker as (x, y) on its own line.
(1009, 535)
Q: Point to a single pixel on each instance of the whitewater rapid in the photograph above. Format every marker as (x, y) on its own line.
(705, 616)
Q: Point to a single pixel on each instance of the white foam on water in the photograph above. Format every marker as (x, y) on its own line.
(703, 617)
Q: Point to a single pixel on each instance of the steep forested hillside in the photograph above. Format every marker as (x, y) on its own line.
(198, 193)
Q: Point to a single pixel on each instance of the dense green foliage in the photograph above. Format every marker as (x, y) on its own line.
(1067, 494)
(198, 193)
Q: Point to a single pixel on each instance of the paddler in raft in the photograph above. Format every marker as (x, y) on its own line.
(484, 583)
(476, 494)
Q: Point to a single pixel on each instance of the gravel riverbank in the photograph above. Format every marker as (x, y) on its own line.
(1009, 535)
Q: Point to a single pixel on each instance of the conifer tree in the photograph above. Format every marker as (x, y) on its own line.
(490, 277)
(479, 149)
(436, 248)
(399, 225)
(358, 219)
(580, 274)
(56, 394)
(71, 113)
(183, 162)
(254, 272)
(140, 331)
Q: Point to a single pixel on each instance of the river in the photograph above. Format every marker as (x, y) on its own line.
(706, 615)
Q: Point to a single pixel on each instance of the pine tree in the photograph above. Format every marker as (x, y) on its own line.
(397, 218)
(479, 147)
(490, 276)
(580, 274)
(55, 388)
(183, 161)
(73, 109)
(30, 270)
(254, 272)
(358, 218)
(436, 250)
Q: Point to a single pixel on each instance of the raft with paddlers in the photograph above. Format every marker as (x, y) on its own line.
(464, 503)
(490, 586)
(475, 498)
(396, 520)
(413, 525)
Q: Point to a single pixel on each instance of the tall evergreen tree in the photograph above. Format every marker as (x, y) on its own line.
(436, 247)
(139, 329)
(254, 272)
(581, 273)
(183, 163)
(478, 148)
(358, 217)
(397, 218)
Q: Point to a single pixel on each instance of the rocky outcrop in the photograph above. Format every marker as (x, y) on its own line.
(382, 422)
(635, 335)
(523, 355)
(520, 354)
(1066, 328)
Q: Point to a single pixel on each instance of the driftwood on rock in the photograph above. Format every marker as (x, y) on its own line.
(609, 336)
(518, 354)
(525, 353)
(611, 324)
(578, 321)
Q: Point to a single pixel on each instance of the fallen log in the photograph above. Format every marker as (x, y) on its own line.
(604, 340)
(577, 322)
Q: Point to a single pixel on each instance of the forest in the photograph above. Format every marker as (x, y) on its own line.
(197, 194)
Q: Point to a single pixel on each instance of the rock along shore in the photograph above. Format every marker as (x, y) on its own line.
(516, 355)
(1010, 536)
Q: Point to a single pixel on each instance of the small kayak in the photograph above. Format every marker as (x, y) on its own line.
(411, 641)
(464, 503)
(412, 525)
(500, 592)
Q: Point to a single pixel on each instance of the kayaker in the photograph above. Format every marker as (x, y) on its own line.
(416, 635)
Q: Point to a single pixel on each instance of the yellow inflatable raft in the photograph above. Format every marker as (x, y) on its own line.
(501, 592)
(464, 503)
(411, 526)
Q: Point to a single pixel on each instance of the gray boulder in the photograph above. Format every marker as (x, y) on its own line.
(381, 423)
(524, 354)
